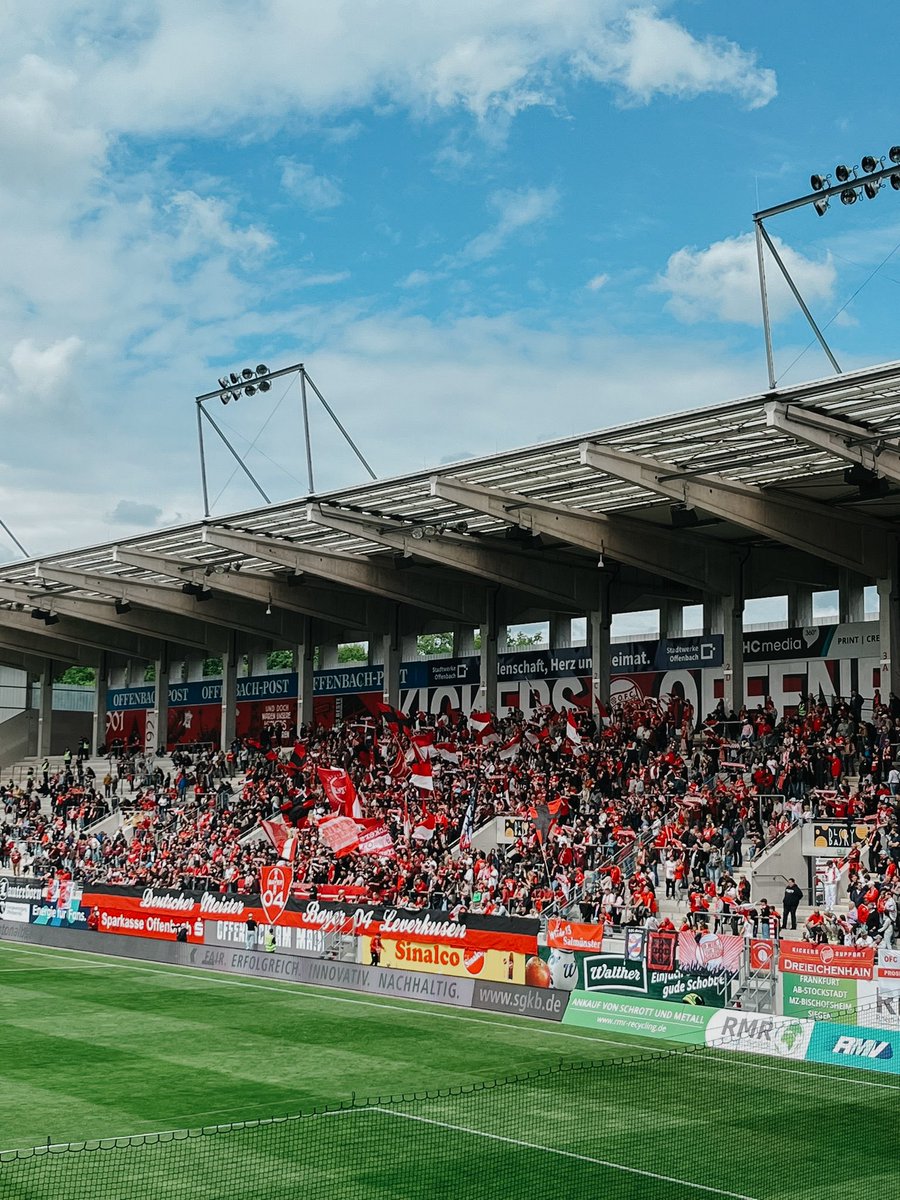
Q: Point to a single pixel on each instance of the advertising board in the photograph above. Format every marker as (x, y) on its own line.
(855, 1046)
(758, 1033)
(685, 1023)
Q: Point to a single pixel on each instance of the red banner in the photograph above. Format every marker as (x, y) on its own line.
(833, 962)
(571, 935)
(275, 891)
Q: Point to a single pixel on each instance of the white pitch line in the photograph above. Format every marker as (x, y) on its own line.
(315, 991)
(599, 1162)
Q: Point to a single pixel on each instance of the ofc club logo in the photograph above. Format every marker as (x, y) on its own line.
(275, 890)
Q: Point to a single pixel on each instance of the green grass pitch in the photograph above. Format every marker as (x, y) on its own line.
(97, 1048)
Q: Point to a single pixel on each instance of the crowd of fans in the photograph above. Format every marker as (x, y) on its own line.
(609, 813)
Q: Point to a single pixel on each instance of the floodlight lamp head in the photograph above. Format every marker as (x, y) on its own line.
(223, 383)
(39, 614)
(870, 164)
(418, 533)
(894, 154)
(264, 385)
(849, 196)
(841, 173)
(872, 188)
(234, 378)
(249, 390)
(51, 619)
(247, 373)
(818, 182)
(262, 369)
(122, 606)
(821, 206)
(431, 531)
(225, 397)
(895, 182)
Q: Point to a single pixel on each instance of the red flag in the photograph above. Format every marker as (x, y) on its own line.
(398, 769)
(572, 731)
(479, 721)
(423, 743)
(340, 834)
(422, 776)
(543, 815)
(340, 790)
(375, 838)
(275, 891)
(448, 752)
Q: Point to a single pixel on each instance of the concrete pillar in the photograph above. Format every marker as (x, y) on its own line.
(98, 725)
(193, 669)
(118, 676)
(490, 632)
(800, 606)
(851, 596)
(156, 733)
(889, 631)
(259, 662)
(464, 643)
(560, 631)
(391, 653)
(304, 660)
(599, 622)
(328, 655)
(229, 693)
(45, 710)
(409, 647)
(671, 619)
(725, 615)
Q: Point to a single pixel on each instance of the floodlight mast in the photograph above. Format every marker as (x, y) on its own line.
(849, 188)
(248, 382)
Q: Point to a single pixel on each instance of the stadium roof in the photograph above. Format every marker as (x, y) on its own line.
(761, 471)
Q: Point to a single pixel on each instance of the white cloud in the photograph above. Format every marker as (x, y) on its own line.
(135, 513)
(517, 210)
(42, 373)
(647, 54)
(317, 193)
(597, 282)
(722, 283)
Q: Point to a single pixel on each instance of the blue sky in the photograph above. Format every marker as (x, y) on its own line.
(479, 225)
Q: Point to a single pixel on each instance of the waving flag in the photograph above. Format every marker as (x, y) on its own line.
(398, 769)
(479, 721)
(425, 826)
(572, 731)
(467, 828)
(421, 775)
(282, 837)
(340, 790)
(423, 743)
(511, 748)
(544, 814)
(448, 752)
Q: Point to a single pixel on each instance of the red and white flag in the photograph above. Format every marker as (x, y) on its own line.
(425, 826)
(479, 721)
(282, 836)
(511, 748)
(423, 743)
(340, 790)
(398, 769)
(375, 838)
(275, 891)
(448, 752)
(422, 777)
(572, 732)
(340, 834)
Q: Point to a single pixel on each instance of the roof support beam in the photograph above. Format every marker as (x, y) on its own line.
(852, 442)
(846, 539)
(170, 604)
(559, 584)
(78, 640)
(694, 562)
(344, 610)
(454, 600)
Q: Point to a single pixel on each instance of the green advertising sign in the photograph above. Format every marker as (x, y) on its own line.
(685, 1023)
(630, 977)
(819, 997)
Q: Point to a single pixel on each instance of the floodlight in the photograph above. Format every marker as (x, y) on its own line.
(841, 174)
(264, 385)
(895, 182)
(849, 196)
(249, 390)
(821, 207)
(817, 182)
(418, 533)
(894, 154)
(40, 614)
(262, 369)
(247, 373)
(223, 383)
(431, 531)
(872, 189)
(123, 607)
(234, 378)
(870, 164)
(225, 397)
(51, 619)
